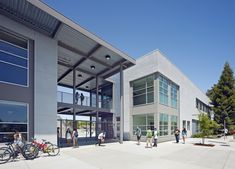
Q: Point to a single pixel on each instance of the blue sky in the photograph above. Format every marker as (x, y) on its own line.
(198, 36)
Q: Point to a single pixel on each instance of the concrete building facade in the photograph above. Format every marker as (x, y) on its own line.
(40, 49)
(158, 95)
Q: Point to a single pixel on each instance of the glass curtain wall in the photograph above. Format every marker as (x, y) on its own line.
(143, 90)
(174, 120)
(163, 90)
(13, 59)
(163, 124)
(13, 116)
(144, 122)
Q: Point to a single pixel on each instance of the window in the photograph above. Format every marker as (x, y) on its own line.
(163, 124)
(173, 124)
(174, 90)
(13, 116)
(163, 90)
(13, 60)
(188, 125)
(143, 91)
(144, 122)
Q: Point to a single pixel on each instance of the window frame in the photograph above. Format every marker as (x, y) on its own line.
(27, 116)
(12, 64)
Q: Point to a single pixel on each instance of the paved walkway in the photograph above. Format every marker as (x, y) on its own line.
(168, 155)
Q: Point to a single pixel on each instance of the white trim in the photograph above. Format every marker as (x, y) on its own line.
(13, 64)
(3, 51)
(14, 44)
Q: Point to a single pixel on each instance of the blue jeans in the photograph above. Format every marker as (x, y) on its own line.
(177, 138)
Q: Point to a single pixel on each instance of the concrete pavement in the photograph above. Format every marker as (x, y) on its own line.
(128, 155)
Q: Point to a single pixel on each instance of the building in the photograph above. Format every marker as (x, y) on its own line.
(40, 49)
(157, 94)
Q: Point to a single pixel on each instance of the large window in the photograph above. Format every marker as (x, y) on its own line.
(163, 124)
(174, 101)
(13, 60)
(13, 116)
(143, 91)
(144, 122)
(163, 90)
(173, 124)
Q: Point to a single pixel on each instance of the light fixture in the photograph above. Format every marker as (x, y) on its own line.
(108, 57)
(87, 87)
(79, 75)
(92, 67)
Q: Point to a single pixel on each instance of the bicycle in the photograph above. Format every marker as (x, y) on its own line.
(45, 147)
(13, 150)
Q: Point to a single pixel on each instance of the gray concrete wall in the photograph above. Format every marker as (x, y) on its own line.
(45, 80)
(155, 62)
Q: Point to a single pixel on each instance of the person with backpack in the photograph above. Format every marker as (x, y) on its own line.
(177, 135)
(149, 136)
(138, 134)
(75, 137)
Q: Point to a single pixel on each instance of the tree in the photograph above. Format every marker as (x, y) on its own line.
(207, 126)
(222, 97)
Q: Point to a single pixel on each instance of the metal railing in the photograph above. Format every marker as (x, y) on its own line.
(65, 97)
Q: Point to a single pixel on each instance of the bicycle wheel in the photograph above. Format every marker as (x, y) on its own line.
(30, 151)
(5, 155)
(52, 149)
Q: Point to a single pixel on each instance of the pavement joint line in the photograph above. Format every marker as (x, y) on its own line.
(226, 159)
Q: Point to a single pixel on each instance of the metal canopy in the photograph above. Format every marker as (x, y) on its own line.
(77, 48)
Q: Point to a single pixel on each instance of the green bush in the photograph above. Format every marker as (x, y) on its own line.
(198, 135)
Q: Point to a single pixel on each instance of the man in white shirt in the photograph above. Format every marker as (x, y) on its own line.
(101, 137)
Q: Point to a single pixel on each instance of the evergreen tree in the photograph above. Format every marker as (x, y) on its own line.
(222, 97)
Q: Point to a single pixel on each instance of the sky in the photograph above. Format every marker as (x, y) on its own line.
(198, 36)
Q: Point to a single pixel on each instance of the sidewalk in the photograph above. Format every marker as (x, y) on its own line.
(167, 155)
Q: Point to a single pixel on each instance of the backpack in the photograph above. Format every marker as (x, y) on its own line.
(149, 133)
(75, 134)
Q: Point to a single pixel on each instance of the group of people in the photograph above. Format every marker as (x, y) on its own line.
(183, 133)
(77, 96)
(150, 136)
(72, 136)
(153, 136)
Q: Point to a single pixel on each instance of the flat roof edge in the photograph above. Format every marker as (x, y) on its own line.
(67, 21)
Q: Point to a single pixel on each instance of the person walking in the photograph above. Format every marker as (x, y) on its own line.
(184, 134)
(155, 133)
(149, 136)
(138, 134)
(177, 135)
(75, 137)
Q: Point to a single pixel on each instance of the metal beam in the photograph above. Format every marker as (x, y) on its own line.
(85, 56)
(56, 30)
(87, 80)
(78, 69)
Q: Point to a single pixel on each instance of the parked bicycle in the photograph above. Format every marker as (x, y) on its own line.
(13, 150)
(45, 147)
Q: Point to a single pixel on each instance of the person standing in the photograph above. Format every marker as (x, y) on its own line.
(184, 134)
(149, 136)
(138, 134)
(82, 98)
(155, 133)
(76, 97)
(68, 137)
(177, 135)
(75, 137)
